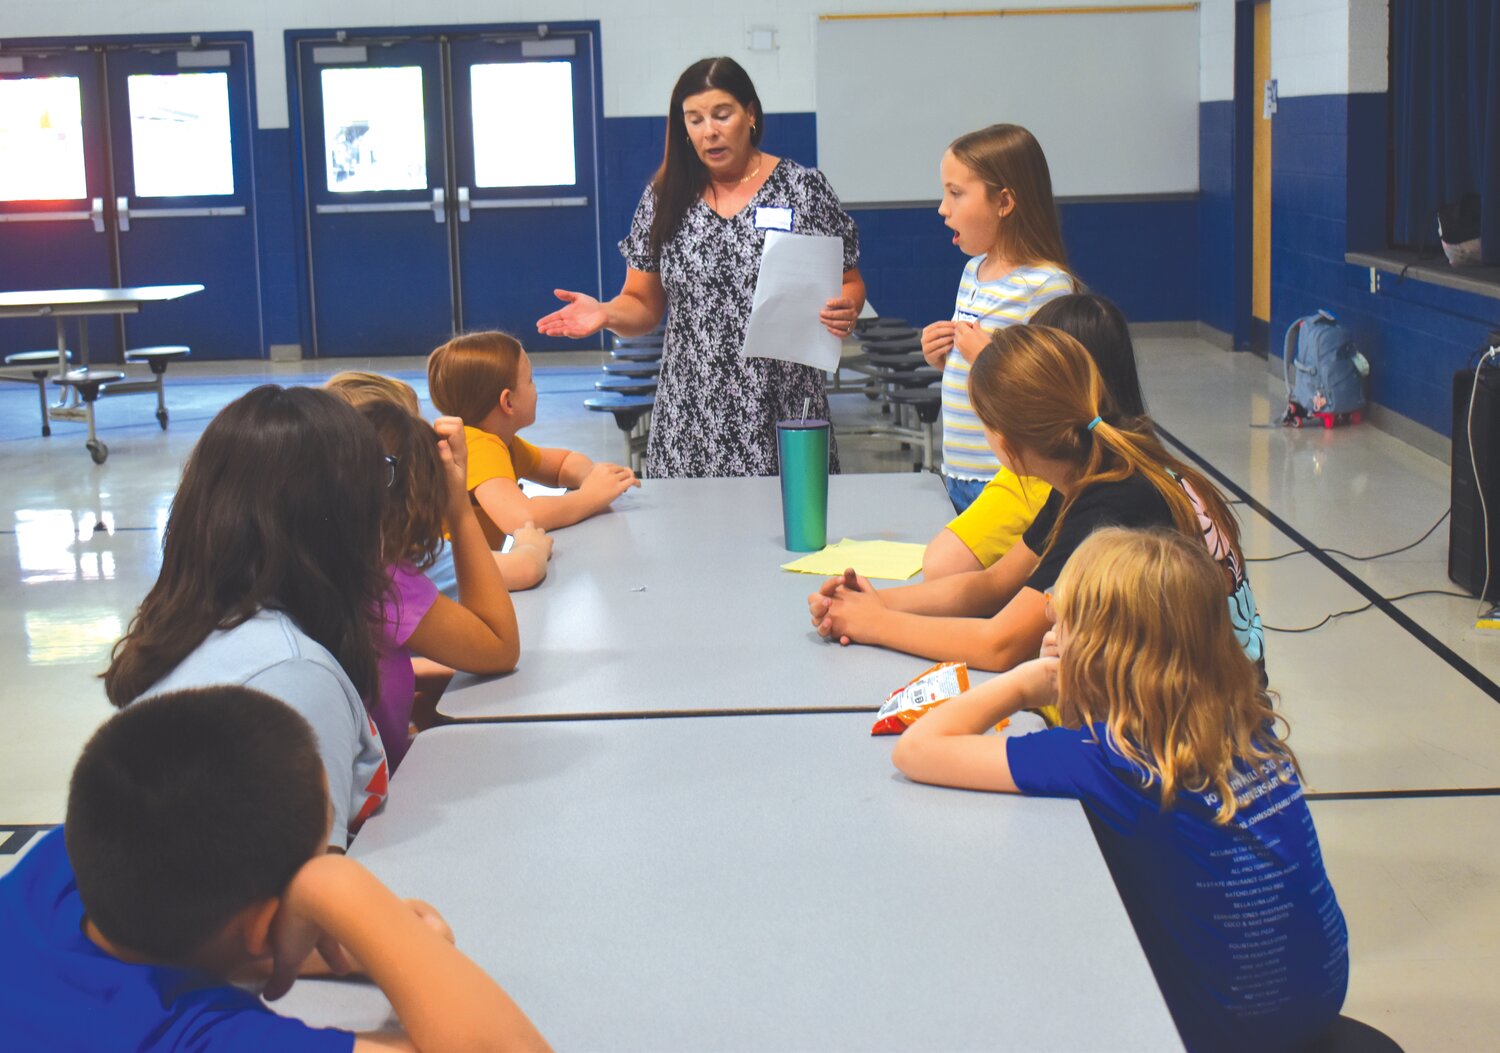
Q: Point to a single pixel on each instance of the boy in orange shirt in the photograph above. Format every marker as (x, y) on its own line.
(486, 380)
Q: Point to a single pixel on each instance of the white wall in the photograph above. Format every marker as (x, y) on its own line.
(1329, 47)
(642, 52)
(1215, 50)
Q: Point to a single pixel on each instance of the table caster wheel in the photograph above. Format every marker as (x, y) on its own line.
(161, 418)
(97, 450)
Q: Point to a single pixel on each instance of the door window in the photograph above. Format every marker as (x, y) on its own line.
(523, 124)
(179, 134)
(374, 129)
(41, 140)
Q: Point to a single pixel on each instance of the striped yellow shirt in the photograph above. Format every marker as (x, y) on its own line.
(1010, 300)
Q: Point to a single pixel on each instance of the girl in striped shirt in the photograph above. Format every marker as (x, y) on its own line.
(997, 200)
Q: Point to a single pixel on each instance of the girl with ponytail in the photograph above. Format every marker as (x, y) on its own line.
(1046, 413)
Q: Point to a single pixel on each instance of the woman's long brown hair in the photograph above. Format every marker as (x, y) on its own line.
(279, 507)
(682, 175)
(1039, 390)
(1149, 651)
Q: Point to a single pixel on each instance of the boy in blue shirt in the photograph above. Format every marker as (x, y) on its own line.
(194, 854)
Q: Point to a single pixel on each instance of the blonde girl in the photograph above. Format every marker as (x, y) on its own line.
(997, 200)
(1046, 414)
(1170, 743)
(524, 564)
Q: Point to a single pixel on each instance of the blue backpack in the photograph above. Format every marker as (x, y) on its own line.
(1325, 373)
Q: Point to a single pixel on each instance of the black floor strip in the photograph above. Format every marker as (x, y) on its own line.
(20, 836)
(1396, 795)
(1400, 617)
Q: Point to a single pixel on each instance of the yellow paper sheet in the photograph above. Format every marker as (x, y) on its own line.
(890, 560)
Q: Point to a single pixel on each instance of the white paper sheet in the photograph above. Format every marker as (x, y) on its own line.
(799, 273)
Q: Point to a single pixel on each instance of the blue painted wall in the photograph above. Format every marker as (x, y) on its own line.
(1328, 197)
(1145, 255)
(282, 244)
(1216, 216)
(1141, 254)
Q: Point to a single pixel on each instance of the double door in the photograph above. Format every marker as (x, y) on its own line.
(450, 183)
(130, 164)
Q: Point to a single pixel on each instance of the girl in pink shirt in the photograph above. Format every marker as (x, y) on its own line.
(477, 634)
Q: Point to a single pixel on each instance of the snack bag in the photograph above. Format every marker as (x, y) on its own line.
(931, 688)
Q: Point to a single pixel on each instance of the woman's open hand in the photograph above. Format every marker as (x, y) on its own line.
(583, 316)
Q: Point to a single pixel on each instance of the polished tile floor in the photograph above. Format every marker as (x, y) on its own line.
(1400, 743)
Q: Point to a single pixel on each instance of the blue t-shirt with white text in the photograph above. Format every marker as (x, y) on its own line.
(60, 992)
(1239, 922)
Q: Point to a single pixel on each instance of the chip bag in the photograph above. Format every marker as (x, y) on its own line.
(931, 688)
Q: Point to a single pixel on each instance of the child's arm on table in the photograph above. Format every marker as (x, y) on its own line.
(509, 508)
(995, 643)
(524, 566)
(974, 594)
(443, 1000)
(478, 634)
(949, 747)
(569, 468)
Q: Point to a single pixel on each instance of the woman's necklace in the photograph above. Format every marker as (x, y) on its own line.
(759, 157)
(714, 185)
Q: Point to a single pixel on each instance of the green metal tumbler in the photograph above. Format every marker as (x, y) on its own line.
(803, 447)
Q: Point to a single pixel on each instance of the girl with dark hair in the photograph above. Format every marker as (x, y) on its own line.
(986, 530)
(271, 569)
(694, 247)
(478, 633)
(1045, 414)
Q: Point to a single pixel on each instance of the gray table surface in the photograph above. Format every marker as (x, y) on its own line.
(675, 601)
(89, 301)
(754, 883)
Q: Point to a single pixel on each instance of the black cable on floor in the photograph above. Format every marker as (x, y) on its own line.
(1350, 555)
(1358, 610)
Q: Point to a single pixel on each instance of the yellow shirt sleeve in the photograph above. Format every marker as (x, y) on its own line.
(489, 458)
(525, 458)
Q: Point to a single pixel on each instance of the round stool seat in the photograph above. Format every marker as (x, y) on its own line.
(632, 369)
(158, 357)
(926, 402)
(36, 358)
(648, 340)
(903, 343)
(896, 359)
(918, 379)
(636, 354)
(626, 386)
(627, 409)
(882, 322)
(88, 381)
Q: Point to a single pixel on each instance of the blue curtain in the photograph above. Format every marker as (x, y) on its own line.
(1445, 88)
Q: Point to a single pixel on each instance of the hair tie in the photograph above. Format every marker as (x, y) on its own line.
(1093, 423)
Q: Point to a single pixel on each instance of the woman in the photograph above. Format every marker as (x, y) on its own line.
(694, 247)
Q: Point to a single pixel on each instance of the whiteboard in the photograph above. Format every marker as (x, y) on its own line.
(1112, 97)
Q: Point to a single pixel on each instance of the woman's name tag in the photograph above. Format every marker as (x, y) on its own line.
(767, 218)
(967, 316)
